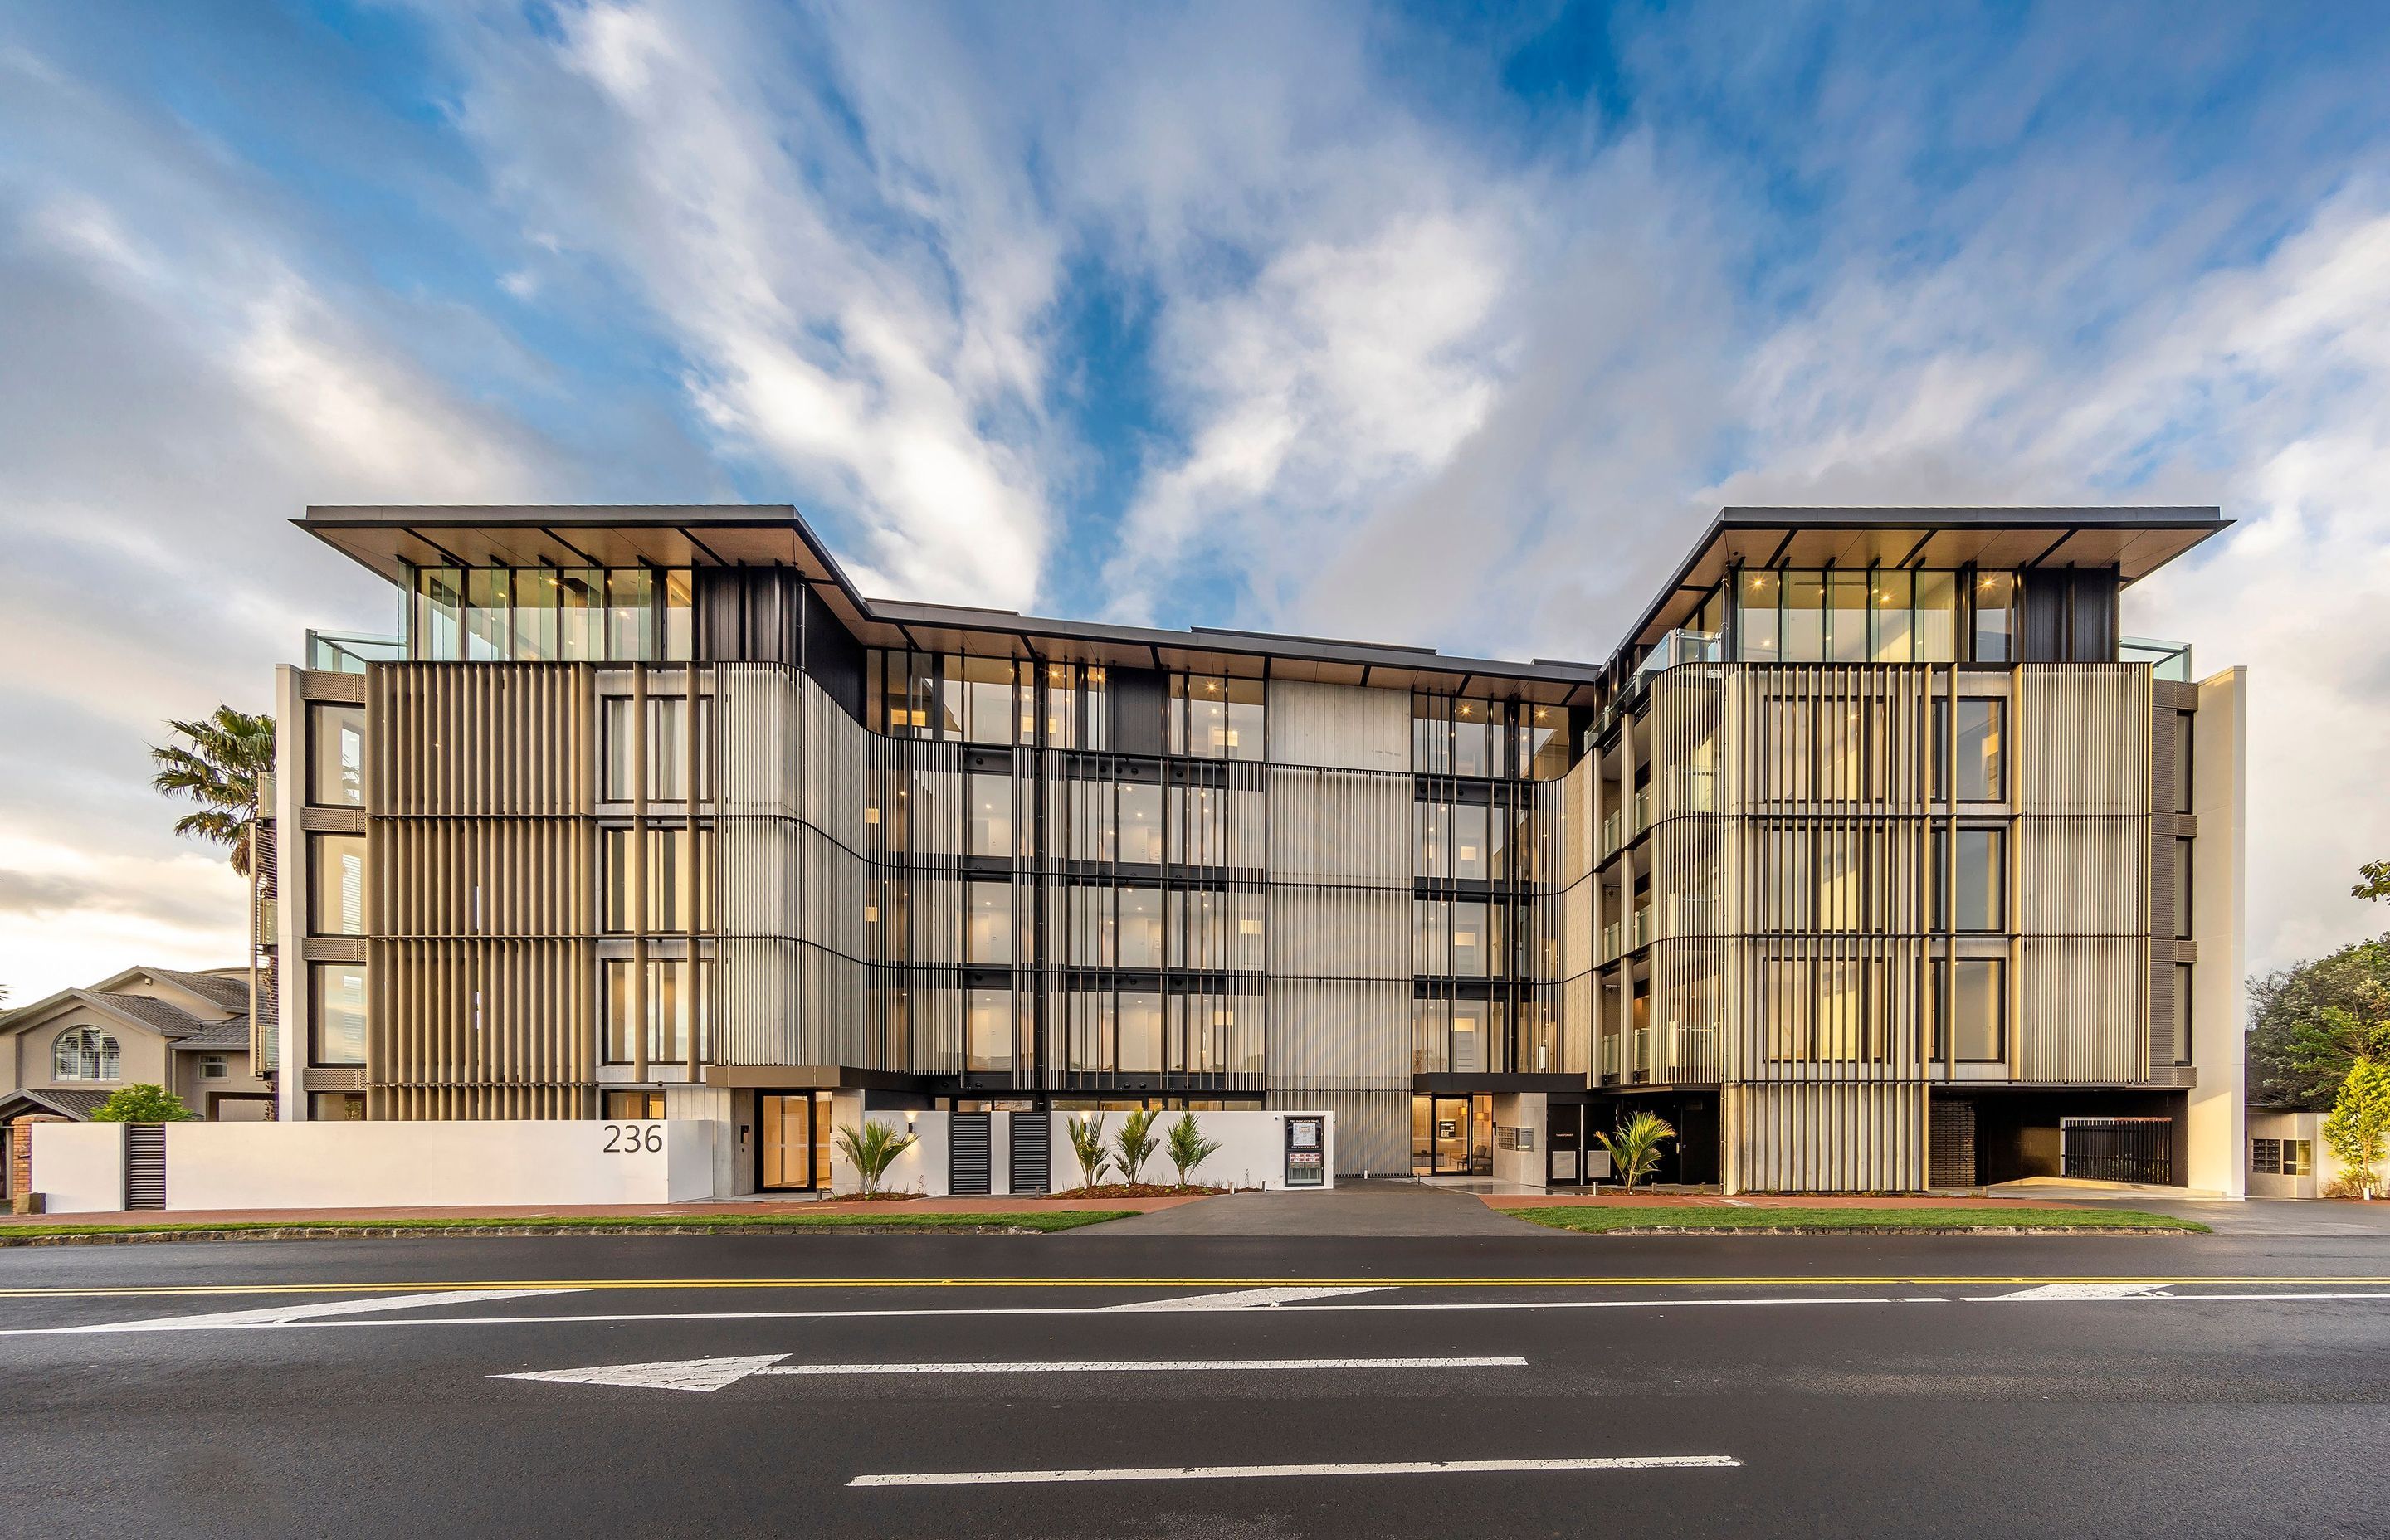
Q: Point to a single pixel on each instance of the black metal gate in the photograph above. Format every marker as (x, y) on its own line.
(1033, 1147)
(145, 1165)
(1950, 1144)
(2117, 1150)
(967, 1154)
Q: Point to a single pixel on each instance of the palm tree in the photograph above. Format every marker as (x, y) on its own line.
(873, 1149)
(217, 766)
(1188, 1148)
(1636, 1148)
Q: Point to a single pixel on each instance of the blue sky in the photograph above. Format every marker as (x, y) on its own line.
(1437, 323)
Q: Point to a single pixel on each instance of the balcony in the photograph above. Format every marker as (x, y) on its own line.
(2166, 659)
(338, 652)
(1678, 648)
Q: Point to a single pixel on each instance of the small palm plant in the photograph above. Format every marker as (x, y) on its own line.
(1188, 1149)
(1634, 1149)
(1087, 1144)
(873, 1149)
(1136, 1143)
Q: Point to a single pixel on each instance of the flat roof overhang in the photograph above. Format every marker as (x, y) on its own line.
(2136, 542)
(389, 539)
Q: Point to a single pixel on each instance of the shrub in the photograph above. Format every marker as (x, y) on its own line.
(143, 1103)
(873, 1149)
(1087, 1144)
(1135, 1143)
(2359, 1118)
(1634, 1149)
(1188, 1148)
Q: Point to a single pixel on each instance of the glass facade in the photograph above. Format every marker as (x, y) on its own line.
(542, 615)
(1872, 615)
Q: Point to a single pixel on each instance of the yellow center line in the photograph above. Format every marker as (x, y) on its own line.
(1832, 1281)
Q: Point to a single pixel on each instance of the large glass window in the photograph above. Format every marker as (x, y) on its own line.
(1885, 615)
(1140, 1032)
(1468, 1038)
(1971, 1009)
(1892, 601)
(1981, 746)
(539, 614)
(83, 1053)
(1995, 598)
(1847, 617)
(336, 761)
(1546, 745)
(988, 1030)
(676, 1006)
(1142, 837)
(2177, 1005)
(1141, 928)
(678, 889)
(630, 620)
(1472, 942)
(990, 711)
(990, 939)
(2182, 761)
(1213, 716)
(1472, 861)
(1759, 597)
(337, 996)
(1981, 881)
(990, 815)
(336, 884)
(2182, 893)
(1935, 629)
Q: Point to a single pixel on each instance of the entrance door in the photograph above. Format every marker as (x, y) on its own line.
(794, 1154)
(1452, 1136)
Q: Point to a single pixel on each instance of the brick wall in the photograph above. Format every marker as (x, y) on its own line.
(20, 1150)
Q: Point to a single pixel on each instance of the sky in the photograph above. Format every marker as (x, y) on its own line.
(1444, 326)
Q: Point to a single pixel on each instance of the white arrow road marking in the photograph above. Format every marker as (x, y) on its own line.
(711, 1373)
(1242, 1299)
(2078, 1291)
(284, 1315)
(1249, 1472)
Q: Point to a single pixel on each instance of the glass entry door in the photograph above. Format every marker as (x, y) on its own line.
(1452, 1136)
(793, 1153)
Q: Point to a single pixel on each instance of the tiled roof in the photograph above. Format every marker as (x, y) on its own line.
(79, 1105)
(217, 1037)
(166, 1019)
(229, 990)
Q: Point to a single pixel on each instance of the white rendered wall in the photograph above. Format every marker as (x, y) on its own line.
(78, 1167)
(369, 1165)
(1252, 1154)
(2218, 1139)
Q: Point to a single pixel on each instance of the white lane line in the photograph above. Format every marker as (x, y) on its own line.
(634, 1318)
(294, 1314)
(1155, 1366)
(1242, 1299)
(2076, 1291)
(678, 1374)
(1252, 1472)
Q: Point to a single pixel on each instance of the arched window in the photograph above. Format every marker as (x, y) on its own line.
(84, 1053)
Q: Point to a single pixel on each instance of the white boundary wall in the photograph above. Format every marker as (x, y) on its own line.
(78, 1167)
(1253, 1150)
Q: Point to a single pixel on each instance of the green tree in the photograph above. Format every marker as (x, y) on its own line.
(2359, 1118)
(1135, 1142)
(873, 1149)
(1634, 1149)
(1087, 1144)
(1188, 1148)
(216, 765)
(2311, 1021)
(2373, 881)
(142, 1103)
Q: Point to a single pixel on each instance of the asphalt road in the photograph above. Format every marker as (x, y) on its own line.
(1822, 1391)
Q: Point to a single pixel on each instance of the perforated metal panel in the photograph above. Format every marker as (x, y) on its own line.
(145, 1166)
(1033, 1153)
(967, 1154)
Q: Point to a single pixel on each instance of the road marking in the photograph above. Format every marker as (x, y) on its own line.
(1252, 1472)
(1655, 1281)
(2077, 1292)
(296, 1314)
(1242, 1299)
(641, 1317)
(712, 1374)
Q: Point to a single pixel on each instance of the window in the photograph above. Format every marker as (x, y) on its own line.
(991, 923)
(1431, 840)
(336, 1106)
(1216, 717)
(988, 1027)
(1472, 941)
(2298, 1157)
(2181, 749)
(2182, 854)
(1971, 1009)
(676, 1003)
(83, 1053)
(336, 884)
(336, 762)
(1141, 833)
(339, 1014)
(1994, 628)
(1982, 735)
(1141, 928)
(213, 1067)
(990, 815)
(2265, 1157)
(1140, 1032)
(2177, 1006)
(677, 895)
(667, 748)
(1759, 596)
(1213, 826)
(634, 1106)
(539, 614)
(1981, 881)
(1431, 936)
(989, 708)
(1469, 1038)
(1470, 860)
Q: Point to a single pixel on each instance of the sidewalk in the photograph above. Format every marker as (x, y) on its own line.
(1612, 1198)
(734, 1208)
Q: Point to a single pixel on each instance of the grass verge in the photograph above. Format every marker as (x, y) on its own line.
(696, 1224)
(1606, 1221)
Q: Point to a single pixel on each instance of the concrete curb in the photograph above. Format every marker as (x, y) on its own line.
(135, 1238)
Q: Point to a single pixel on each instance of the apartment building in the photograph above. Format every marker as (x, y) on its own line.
(1877, 858)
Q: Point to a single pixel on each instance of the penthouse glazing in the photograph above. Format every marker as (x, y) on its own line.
(1875, 858)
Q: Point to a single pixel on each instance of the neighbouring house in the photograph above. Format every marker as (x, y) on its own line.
(62, 1056)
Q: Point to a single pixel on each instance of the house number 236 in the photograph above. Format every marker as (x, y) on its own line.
(629, 1139)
